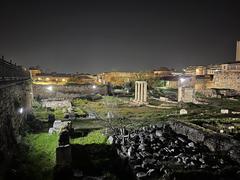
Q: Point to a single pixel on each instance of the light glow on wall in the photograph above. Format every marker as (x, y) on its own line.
(20, 110)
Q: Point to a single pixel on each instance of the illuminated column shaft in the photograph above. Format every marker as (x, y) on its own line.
(145, 92)
(142, 91)
(138, 88)
(136, 91)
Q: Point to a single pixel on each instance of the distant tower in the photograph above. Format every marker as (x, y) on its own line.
(238, 51)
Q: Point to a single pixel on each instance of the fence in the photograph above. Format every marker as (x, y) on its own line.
(10, 71)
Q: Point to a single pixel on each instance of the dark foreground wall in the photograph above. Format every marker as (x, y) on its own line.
(15, 103)
(66, 91)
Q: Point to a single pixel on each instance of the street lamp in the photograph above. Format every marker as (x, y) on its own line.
(50, 88)
(94, 86)
(182, 80)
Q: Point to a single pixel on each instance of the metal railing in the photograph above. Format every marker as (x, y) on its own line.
(10, 71)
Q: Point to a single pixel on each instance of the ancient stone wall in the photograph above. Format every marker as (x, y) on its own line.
(214, 141)
(227, 80)
(56, 104)
(15, 103)
(172, 84)
(208, 92)
(120, 78)
(66, 91)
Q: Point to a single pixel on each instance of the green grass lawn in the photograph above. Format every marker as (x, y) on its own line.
(125, 115)
(87, 124)
(39, 159)
(42, 113)
(94, 137)
(38, 154)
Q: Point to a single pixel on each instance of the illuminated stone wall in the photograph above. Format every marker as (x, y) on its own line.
(227, 80)
(15, 102)
(62, 80)
(66, 91)
(119, 78)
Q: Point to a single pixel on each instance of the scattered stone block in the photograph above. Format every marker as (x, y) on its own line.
(159, 133)
(110, 115)
(235, 112)
(110, 139)
(224, 111)
(141, 175)
(147, 148)
(51, 131)
(183, 111)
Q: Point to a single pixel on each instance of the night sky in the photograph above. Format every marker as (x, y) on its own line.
(97, 35)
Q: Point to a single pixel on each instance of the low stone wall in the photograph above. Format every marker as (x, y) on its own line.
(66, 91)
(214, 141)
(207, 92)
(15, 102)
(56, 104)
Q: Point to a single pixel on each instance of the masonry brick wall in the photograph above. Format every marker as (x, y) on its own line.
(66, 91)
(227, 80)
(12, 97)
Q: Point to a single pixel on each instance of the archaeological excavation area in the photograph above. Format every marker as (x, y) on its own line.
(90, 132)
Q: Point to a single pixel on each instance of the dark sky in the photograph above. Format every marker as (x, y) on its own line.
(99, 35)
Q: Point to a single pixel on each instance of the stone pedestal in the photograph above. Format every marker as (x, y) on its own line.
(186, 94)
(64, 156)
(140, 92)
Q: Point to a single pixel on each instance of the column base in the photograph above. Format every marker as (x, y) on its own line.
(138, 102)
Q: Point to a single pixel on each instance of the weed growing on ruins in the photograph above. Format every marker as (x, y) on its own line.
(95, 137)
(42, 113)
(87, 124)
(79, 102)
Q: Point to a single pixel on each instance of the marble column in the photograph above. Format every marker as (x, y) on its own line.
(136, 92)
(141, 91)
(145, 92)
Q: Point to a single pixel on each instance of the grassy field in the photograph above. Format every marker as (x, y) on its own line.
(38, 159)
(42, 113)
(124, 115)
(37, 156)
(39, 153)
(134, 117)
(95, 137)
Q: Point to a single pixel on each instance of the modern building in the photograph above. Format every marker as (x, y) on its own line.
(162, 71)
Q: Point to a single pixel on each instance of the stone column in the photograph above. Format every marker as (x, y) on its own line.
(139, 92)
(136, 91)
(142, 91)
(138, 88)
(145, 92)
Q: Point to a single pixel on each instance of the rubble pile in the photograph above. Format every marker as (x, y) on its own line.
(158, 151)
